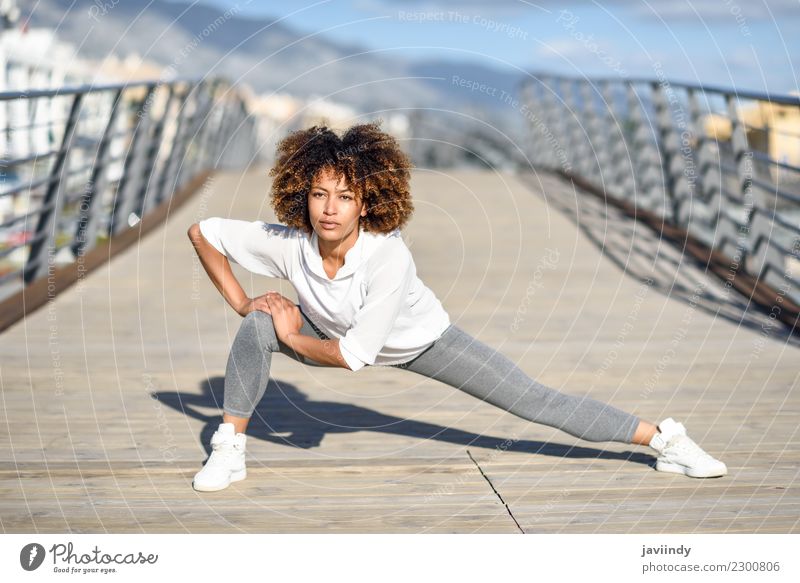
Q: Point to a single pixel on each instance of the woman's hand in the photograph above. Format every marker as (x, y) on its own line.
(249, 305)
(286, 316)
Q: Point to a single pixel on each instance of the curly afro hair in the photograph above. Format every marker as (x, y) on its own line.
(370, 160)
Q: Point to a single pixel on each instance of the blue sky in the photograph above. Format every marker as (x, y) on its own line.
(736, 43)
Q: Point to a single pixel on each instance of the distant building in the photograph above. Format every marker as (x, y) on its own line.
(34, 59)
(770, 128)
(129, 69)
(32, 129)
(30, 59)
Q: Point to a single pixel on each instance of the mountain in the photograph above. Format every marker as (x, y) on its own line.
(197, 39)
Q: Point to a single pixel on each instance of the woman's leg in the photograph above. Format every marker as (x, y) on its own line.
(466, 363)
(460, 360)
(644, 433)
(246, 378)
(249, 361)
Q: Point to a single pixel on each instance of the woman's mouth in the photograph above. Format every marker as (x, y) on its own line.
(327, 225)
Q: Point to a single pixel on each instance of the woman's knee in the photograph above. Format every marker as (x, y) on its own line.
(257, 327)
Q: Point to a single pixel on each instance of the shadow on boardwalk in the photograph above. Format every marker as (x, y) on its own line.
(641, 253)
(286, 409)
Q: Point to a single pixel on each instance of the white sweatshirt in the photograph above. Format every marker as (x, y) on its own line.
(376, 305)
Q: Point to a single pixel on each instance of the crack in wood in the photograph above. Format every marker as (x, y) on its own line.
(485, 477)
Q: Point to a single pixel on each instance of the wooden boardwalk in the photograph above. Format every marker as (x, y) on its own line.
(110, 393)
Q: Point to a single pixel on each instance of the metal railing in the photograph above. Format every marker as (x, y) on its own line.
(79, 165)
(722, 165)
(464, 137)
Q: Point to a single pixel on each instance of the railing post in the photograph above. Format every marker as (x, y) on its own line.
(604, 129)
(252, 153)
(226, 145)
(221, 132)
(679, 192)
(203, 103)
(587, 164)
(621, 173)
(39, 260)
(153, 170)
(649, 176)
(131, 175)
(178, 150)
(754, 248)
(549, 125)
(573, 124)
(560, 131)
(532, 117)
(764, 260)
(712, 224)
(241, 137)
(526, 104)
(742, 155)
(208, 129)
(88, 213)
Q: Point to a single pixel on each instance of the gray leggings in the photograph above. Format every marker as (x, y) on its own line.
(456, 359)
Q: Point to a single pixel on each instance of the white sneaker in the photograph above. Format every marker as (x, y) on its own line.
(226, 462)
(678, 454)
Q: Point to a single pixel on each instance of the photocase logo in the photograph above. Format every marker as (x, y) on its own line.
(31, 556)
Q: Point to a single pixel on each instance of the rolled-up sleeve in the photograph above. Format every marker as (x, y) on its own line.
(257, 246)
(387, 289)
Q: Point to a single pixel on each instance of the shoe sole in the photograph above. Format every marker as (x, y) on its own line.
(235, 477)
(676, 469)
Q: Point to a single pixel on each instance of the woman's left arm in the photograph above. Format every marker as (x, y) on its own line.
(323, 351)
(288, 320)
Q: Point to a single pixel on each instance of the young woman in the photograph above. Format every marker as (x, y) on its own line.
(343, 202)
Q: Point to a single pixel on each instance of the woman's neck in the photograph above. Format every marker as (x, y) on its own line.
(334, 251)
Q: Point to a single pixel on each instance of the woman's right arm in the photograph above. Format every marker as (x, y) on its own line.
(219, 271)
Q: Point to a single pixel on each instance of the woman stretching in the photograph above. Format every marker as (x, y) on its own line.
(343, 202)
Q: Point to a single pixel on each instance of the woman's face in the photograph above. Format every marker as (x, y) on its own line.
(333, 208)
